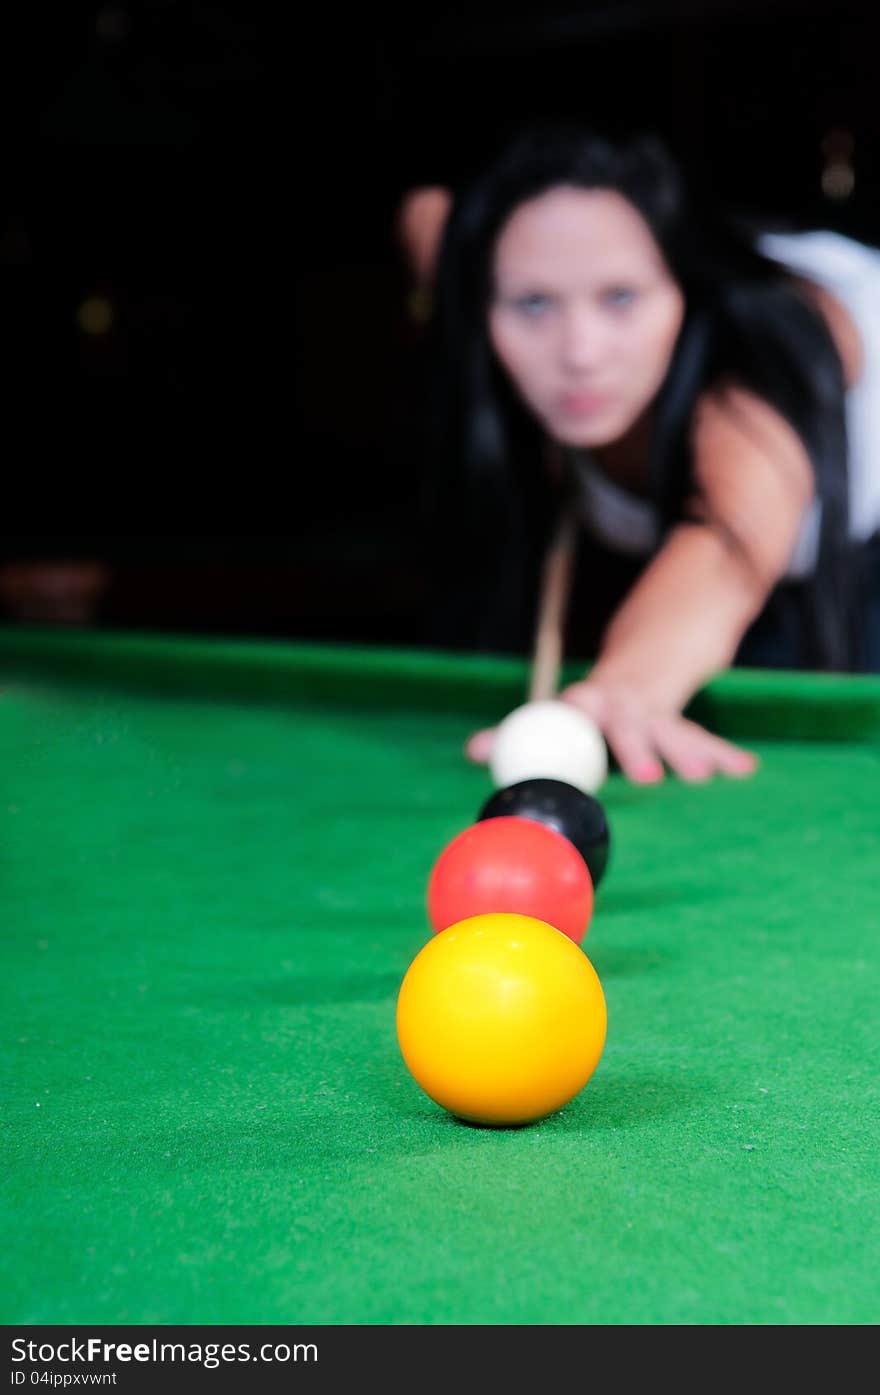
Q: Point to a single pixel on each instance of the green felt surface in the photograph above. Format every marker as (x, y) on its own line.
(212, 869)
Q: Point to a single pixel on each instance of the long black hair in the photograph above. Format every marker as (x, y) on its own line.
(744, 321)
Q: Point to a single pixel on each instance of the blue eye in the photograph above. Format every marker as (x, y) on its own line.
(532, 305)
(619, 296)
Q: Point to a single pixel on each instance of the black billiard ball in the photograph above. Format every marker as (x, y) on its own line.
(578, 816)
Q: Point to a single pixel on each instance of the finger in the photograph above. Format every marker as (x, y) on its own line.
(695, 754)
(634, 752)
(478, 746)
(586, 697)
(685, 747)
(728, 759)
(734, 760)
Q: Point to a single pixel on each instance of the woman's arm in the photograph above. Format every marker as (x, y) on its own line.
(842, 328)
(684, 619)
(419, 221)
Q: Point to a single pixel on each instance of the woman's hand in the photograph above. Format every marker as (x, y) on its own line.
(478, 747)
(643, 741)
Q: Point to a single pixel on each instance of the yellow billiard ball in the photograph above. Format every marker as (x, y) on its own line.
(501, 1019)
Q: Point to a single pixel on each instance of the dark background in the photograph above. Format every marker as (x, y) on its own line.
(226, 178)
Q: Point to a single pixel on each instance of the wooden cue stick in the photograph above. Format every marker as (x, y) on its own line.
(555, 590)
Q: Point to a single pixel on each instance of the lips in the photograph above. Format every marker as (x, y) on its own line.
(583, 403)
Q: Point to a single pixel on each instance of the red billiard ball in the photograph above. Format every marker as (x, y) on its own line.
(511, 864)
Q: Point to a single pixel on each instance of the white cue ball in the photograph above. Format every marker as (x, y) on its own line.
(550, 740)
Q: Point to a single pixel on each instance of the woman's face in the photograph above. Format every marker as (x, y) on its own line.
(584, 312)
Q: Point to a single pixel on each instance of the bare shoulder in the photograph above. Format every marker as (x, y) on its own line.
(753, 477)
(734, 429)
(842, 328)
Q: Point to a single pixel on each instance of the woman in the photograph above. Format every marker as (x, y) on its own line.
(691, 387)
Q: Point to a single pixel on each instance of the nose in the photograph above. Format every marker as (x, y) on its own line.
(582, 340)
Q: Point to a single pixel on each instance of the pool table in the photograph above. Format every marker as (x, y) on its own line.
(215, 854)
